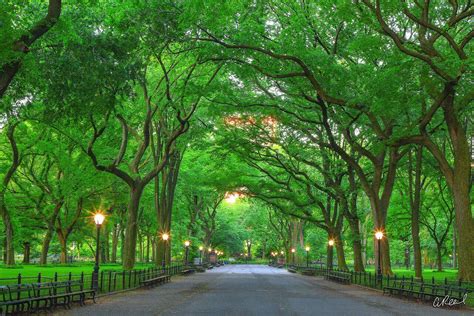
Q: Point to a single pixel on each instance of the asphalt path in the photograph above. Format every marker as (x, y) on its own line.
(255, 290)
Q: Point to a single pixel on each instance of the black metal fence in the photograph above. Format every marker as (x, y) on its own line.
(370, 279)
(109, 280)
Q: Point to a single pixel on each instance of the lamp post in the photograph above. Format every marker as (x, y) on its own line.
(186, 246)
(307, 256)
(98, 220)
(200, 254)
(249, 246)
(379, 236)
(293, 250)
(330, 249)
(165, 238)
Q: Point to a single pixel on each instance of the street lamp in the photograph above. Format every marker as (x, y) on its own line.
(98, 220)
(307, 256)
(186, 246)
(293, 250)
(200, 254)
(249, 246)
(165, 238)
(379, 236)
(329, 259)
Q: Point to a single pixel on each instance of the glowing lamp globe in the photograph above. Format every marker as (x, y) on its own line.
(187, 243)
(331, 242)
(99, 219)
(379, 235)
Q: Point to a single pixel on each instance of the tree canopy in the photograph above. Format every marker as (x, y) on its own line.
(248, 127)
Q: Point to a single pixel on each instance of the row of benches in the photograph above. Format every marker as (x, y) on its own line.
(153, 279)
(406, 288)
(339, 276)
(425, 291)
(34, 297)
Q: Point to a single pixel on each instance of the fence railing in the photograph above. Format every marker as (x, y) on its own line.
(109, 280)
(372, 280)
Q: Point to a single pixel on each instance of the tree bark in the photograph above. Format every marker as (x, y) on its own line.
(341, 258)
(26, 252)
(9, 241)
(415, 203)
(329, 257)
(439, 257)
(63, 243)
(51, 222)
(130, 242)
(356, 244)
(9, 249)
(115, 242)
(460, 186)
(45, 246)
(9, 69)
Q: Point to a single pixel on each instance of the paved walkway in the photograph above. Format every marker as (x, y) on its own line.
(255, 290)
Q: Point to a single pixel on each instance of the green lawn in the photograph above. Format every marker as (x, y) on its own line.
(428, 274)
(30, 271)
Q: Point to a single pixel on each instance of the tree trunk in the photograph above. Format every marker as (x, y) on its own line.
(415, 234)
(4, 253)
(455, 263)
(26, 252)
(458, 179)
(415, 201)
(45, 247)
(329, 257)
(160, 252)
(147, 257)
(356, 244)
(465, 228)
(130, 242)
(341, 258)
(379, 214)
(106, 244)
(63, 243)
(407, 256)
(49, 233)
(9, 249)
(115, 240)
(439, 257)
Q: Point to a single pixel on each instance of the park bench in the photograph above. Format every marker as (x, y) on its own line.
(308, 271)
(339, 276)
(152, 279)
(187, 271)
(425, 291)
(45, 296)
(405, 288)
(292, 270)
(76, 289)
(19, 298)
(15, 298)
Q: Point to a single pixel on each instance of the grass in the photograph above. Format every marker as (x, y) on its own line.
(428, 274)
(49, 270)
